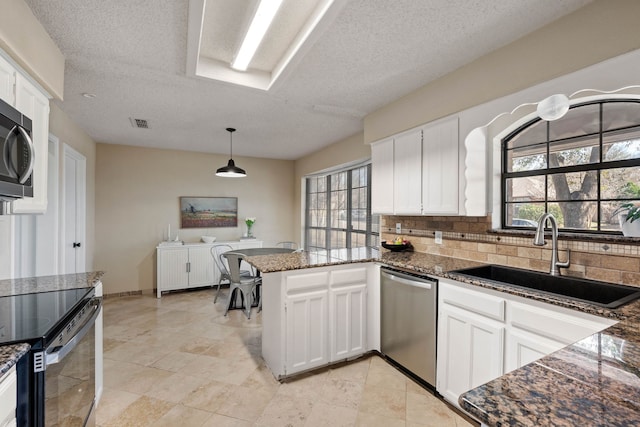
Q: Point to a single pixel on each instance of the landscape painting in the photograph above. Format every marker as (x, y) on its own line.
(208, 212)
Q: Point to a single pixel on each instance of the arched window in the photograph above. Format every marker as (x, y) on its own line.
(581, 167)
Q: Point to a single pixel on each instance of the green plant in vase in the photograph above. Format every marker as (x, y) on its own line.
(249, 221)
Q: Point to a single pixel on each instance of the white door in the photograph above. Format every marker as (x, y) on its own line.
(307, 331)
(470, 351)
(200, 267)
(407, 173)
(348, 314)
(382, 177)
(73, 211)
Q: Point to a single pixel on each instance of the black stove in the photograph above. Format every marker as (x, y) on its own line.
(32, 318)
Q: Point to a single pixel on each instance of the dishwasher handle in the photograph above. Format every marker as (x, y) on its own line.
(418, 283)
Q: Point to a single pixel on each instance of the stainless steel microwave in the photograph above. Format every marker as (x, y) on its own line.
(17, 154)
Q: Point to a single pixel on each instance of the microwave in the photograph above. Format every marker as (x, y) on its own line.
(17, 154)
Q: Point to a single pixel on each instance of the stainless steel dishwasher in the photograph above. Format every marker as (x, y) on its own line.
(408, 321)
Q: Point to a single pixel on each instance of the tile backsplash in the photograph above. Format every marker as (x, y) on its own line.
(471, 238)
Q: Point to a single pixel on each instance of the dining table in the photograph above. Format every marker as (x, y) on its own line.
(238, 303)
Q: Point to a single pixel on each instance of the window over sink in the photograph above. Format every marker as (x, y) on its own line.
(581, 168)
(338, 210)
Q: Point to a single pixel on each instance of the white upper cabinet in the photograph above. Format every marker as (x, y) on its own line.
(440, 180)
(26, 97)
(416, 172)
(407, 173)
(382, 177)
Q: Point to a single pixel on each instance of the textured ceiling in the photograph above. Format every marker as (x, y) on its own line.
(132, 55)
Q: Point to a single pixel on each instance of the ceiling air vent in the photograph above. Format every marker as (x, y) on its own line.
(139, 123)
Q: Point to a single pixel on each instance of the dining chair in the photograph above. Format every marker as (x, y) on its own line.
(287, 245)
(246, 285)
(225, 276)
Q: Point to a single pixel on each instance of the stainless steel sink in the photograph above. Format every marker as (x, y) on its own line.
(603, 294)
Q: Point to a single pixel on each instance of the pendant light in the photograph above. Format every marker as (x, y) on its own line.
(231, 170)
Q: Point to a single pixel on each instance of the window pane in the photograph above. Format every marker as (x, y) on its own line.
(312, 185)
(617, 115)
(579, 151)
(580, 215)
(338, 239)
(322, 184)
(526, 189)
(358, 240)
(622, 145)
(527, 158)
(573, 186)
(609, 221)
(578, 121)
(534, 134)
(523, 214)
(339, 181)
(621, 183)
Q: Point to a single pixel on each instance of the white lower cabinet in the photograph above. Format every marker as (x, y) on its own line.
(307, 326)
(483, 334)
(189, 266)
(316, 316)
(8, 398)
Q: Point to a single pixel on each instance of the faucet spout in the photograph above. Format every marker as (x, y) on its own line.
(538, 240)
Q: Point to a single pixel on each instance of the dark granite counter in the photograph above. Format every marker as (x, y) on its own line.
(300, 260)
(594, 382)
(34, 285)
(10, 354)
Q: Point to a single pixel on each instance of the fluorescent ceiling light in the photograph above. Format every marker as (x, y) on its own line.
(258, 28)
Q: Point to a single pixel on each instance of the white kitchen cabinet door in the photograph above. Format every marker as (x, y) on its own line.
(348, 314)
(7, 82)
(173, 269)
(32, 103)
(200, 267)
(470, 351)
(407, 173)
(307, 337)
(382, 177)
(440, 168)
(522, 348)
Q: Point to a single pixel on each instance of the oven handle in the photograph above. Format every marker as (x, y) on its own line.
(59, 354)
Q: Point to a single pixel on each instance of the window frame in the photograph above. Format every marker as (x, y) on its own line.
(547, 171)
(371, 235)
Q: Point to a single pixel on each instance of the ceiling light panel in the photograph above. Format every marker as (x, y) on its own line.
(260, 23)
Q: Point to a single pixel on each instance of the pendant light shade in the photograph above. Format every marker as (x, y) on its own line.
(231, 170)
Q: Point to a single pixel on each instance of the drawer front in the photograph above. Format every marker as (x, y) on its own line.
(490, 306)
(306, 281)
(349, 276)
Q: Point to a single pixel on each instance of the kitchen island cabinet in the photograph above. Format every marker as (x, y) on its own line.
(316, 316)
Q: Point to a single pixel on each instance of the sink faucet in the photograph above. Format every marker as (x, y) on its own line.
(538, 240)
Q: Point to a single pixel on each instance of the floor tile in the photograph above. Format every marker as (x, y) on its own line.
(178, 361)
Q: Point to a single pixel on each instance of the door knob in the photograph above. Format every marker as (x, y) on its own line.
(76, 244)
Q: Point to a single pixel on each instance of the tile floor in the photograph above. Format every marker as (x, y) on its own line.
(179, 361)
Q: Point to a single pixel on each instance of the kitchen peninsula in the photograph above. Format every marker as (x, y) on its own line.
(592, 382)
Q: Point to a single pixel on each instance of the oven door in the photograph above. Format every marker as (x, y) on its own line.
(69, 386)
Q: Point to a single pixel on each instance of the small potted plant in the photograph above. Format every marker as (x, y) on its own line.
(629, 214)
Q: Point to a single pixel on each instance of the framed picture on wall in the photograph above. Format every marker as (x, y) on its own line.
(208, 212)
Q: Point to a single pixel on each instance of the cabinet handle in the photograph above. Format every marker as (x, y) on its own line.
(188, 267)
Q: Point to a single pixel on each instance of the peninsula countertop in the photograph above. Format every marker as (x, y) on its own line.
(579, 385)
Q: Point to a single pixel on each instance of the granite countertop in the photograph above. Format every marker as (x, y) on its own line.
(594, 382)
(34, 285)
(299, 260)
(10, 354)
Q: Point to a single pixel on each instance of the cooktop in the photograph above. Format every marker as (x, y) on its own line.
(31, 317)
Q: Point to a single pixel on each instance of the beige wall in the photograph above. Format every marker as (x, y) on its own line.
(26, 41)
(69, 133)
(348, 150)
(599, 31)
(137, 196)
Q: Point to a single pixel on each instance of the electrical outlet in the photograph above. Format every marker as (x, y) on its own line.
(438, 237)
(398, 227)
